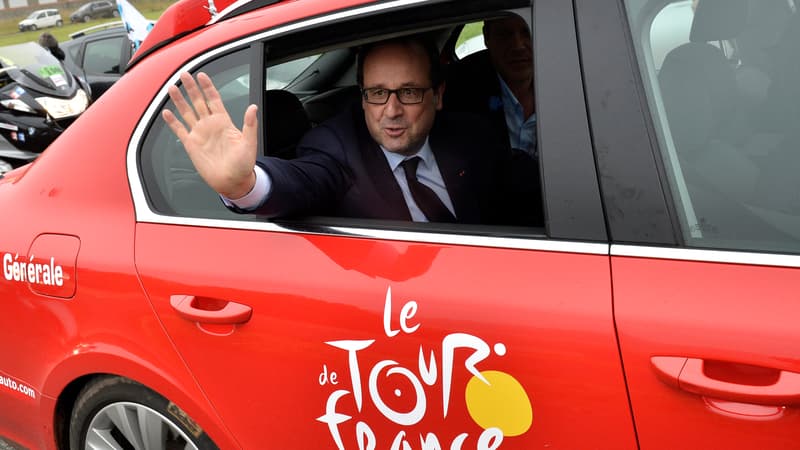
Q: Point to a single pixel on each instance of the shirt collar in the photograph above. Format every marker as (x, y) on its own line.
(506, 92)
(394, 159)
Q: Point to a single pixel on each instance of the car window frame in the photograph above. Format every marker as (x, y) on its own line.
(584, 222)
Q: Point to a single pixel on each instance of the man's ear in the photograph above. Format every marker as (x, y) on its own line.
(438, 95)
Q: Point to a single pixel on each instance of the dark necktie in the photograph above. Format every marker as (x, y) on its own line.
(427, 200)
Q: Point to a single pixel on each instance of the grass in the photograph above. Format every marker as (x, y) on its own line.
(470, 30)
(10, 34)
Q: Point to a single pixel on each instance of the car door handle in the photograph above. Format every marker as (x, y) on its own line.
(210, 310)
(730, 381)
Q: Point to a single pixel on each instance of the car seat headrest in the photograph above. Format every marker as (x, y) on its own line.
(699, 91)
(766, 22)
(285, 122)
(718, 20)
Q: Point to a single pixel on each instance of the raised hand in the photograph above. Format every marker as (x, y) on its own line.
(223, 155)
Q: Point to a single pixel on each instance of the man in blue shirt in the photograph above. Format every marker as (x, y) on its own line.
(498, 82)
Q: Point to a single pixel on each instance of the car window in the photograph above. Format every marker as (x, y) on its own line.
(328, 87)
(102, 56)
(722, 93)
(171, 181)
(175, 187)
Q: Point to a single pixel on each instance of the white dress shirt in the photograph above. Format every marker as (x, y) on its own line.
(427, 174)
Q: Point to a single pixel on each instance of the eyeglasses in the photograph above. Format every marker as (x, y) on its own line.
(406, 95)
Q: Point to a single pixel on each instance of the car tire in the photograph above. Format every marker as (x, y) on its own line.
(109, 404)
(33, 28)
(59, 23)
(87, 18)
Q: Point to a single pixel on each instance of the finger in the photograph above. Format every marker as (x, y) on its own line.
(175, 125)
(211, 94)
(250, 128)
(195, 95)
(186, 112)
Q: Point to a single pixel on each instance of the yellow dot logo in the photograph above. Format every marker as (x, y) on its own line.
(501, 403)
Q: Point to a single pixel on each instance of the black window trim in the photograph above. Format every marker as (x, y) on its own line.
(638, 204)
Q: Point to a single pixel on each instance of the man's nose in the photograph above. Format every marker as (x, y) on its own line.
(520, 40)
(393, 106)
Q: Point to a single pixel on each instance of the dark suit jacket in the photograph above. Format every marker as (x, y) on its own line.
(341, 171)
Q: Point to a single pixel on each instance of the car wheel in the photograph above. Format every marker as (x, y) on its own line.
(33, 28)
(115, 13)
(116, 412)
(87, 18)
(59, 23)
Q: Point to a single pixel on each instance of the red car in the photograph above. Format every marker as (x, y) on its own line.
(656, 309)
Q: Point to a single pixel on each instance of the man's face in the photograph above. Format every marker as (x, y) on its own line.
(509, 43)
(397, 127)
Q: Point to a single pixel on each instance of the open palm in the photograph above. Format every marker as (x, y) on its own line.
(223, 155)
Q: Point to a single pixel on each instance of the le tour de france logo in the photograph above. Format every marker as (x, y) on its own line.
(495, 400)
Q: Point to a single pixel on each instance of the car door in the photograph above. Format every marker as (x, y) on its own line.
(347, 333)
(705, 257)
(103, 59)
(52, 18)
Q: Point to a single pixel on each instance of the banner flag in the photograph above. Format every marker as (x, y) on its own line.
(137, 25)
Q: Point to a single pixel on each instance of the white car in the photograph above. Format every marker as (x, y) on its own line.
(41, 18)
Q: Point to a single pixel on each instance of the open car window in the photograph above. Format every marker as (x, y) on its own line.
(316, 72)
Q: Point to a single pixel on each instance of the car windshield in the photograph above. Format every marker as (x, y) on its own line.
(33, 15)
(32, 64)
(30, 56)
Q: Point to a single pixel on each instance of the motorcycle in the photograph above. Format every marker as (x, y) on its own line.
(39, 99)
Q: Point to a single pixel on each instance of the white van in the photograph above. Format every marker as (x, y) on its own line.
(41, 18)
